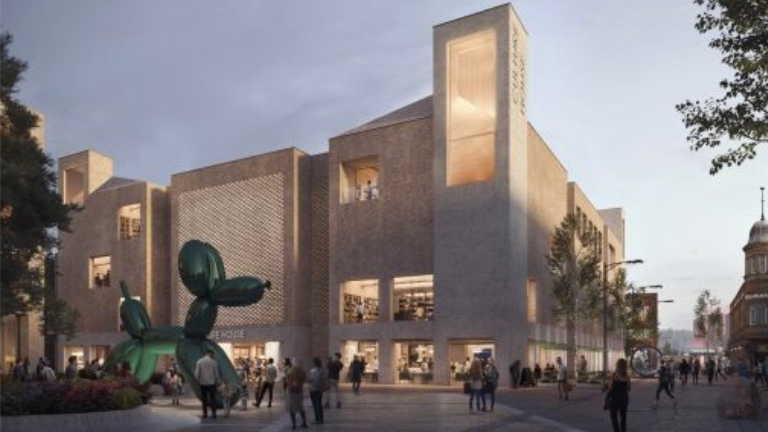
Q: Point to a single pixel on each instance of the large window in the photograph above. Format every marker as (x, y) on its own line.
(461, 353)
(415, 362)
(129, 221)
(360, 301)
(758, 315)
(414, 298)
(101, 272)
(532, 300)
(359, 180)
(365, 351)
(471, 108)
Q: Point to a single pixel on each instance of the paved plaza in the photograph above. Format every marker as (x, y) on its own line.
(400, 409)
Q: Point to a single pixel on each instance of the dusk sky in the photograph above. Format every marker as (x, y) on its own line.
(164, 87)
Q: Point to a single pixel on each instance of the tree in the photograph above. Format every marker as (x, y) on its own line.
(740, 115)
(31, 208)
(57, 317)
(709, 317)
(574, 263)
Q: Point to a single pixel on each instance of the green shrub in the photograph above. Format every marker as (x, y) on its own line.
(127, 398)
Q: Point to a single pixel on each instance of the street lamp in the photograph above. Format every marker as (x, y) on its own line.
(606, 267)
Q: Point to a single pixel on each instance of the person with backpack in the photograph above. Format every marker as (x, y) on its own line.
(665, 375)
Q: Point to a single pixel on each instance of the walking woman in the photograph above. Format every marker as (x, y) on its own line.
(621, 384)
(296, 379)
(476, 384)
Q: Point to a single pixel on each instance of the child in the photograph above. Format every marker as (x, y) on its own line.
(225, 396)
(176, 387)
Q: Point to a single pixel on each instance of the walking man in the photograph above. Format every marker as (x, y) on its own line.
(665, 376)
(208, 375)
(269, 383)
(334, 373)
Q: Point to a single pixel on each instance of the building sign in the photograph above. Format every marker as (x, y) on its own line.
(228, 334)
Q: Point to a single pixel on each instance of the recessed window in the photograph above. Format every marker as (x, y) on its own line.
(129, 221)
(758, 315)
(101, 272)
(414, 298)
(532, 300)
(360, 301)
(359, 180)
(471, 108)
(415, 362)
(74, 186)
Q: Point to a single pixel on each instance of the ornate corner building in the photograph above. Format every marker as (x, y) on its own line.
(415, 242)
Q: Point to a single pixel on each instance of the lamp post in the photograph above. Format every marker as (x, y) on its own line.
(606, 267)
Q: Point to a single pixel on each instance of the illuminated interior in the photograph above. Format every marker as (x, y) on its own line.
(532, 300)
(471, 107)
(414, 362)
(74, 186)
(357, 294)
(414, 298)
(129, 221)
(101, 272)
(359, 180)
(367, 351)
(460, 355)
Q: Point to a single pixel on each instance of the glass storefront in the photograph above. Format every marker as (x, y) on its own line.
(360, 301)
(414, 362)
(461, 354)
(367, 351)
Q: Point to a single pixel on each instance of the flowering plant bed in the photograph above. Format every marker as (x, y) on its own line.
(79, 396)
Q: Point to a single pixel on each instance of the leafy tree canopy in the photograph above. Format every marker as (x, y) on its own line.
(31, 208)
(739, 117)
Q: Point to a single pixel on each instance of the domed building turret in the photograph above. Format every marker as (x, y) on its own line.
(749, 309)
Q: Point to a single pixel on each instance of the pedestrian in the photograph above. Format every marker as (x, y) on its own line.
(476, 384)
(47, 373)
(176, 387)
(226, 397)
(665, 375)
(514, 373)
(287, 366)
(334, 373)
(696, 371)
(562, 379)
(268, 384)
(536, 374)
(356, 369)
(318, 379)
(684, 369)
(360, 311)
(719, 371)
(70, 372)
(296, 379)
(582, 369)
(710, 370)
(618, 395)
(19, 373)
(208, 376)
(491, 381)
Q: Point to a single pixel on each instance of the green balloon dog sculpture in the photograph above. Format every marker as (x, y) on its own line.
(202, 273)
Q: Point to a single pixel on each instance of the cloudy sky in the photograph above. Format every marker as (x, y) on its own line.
(167, 86)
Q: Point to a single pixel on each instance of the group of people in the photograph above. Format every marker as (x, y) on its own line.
(322, 382)
(483, 379)
(22, 370)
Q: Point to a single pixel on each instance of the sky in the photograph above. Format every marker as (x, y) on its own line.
(168, 86)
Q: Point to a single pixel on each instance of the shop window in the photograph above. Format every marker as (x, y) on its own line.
(99, 353)
(532, 300)
(365, 351)
(74, 186)
(461, 354)
(471, 109)
(129, 221)
(359, 180)
(75, 350)
(101, 272)
(360, 301)
(415, 362)
(414, 298)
